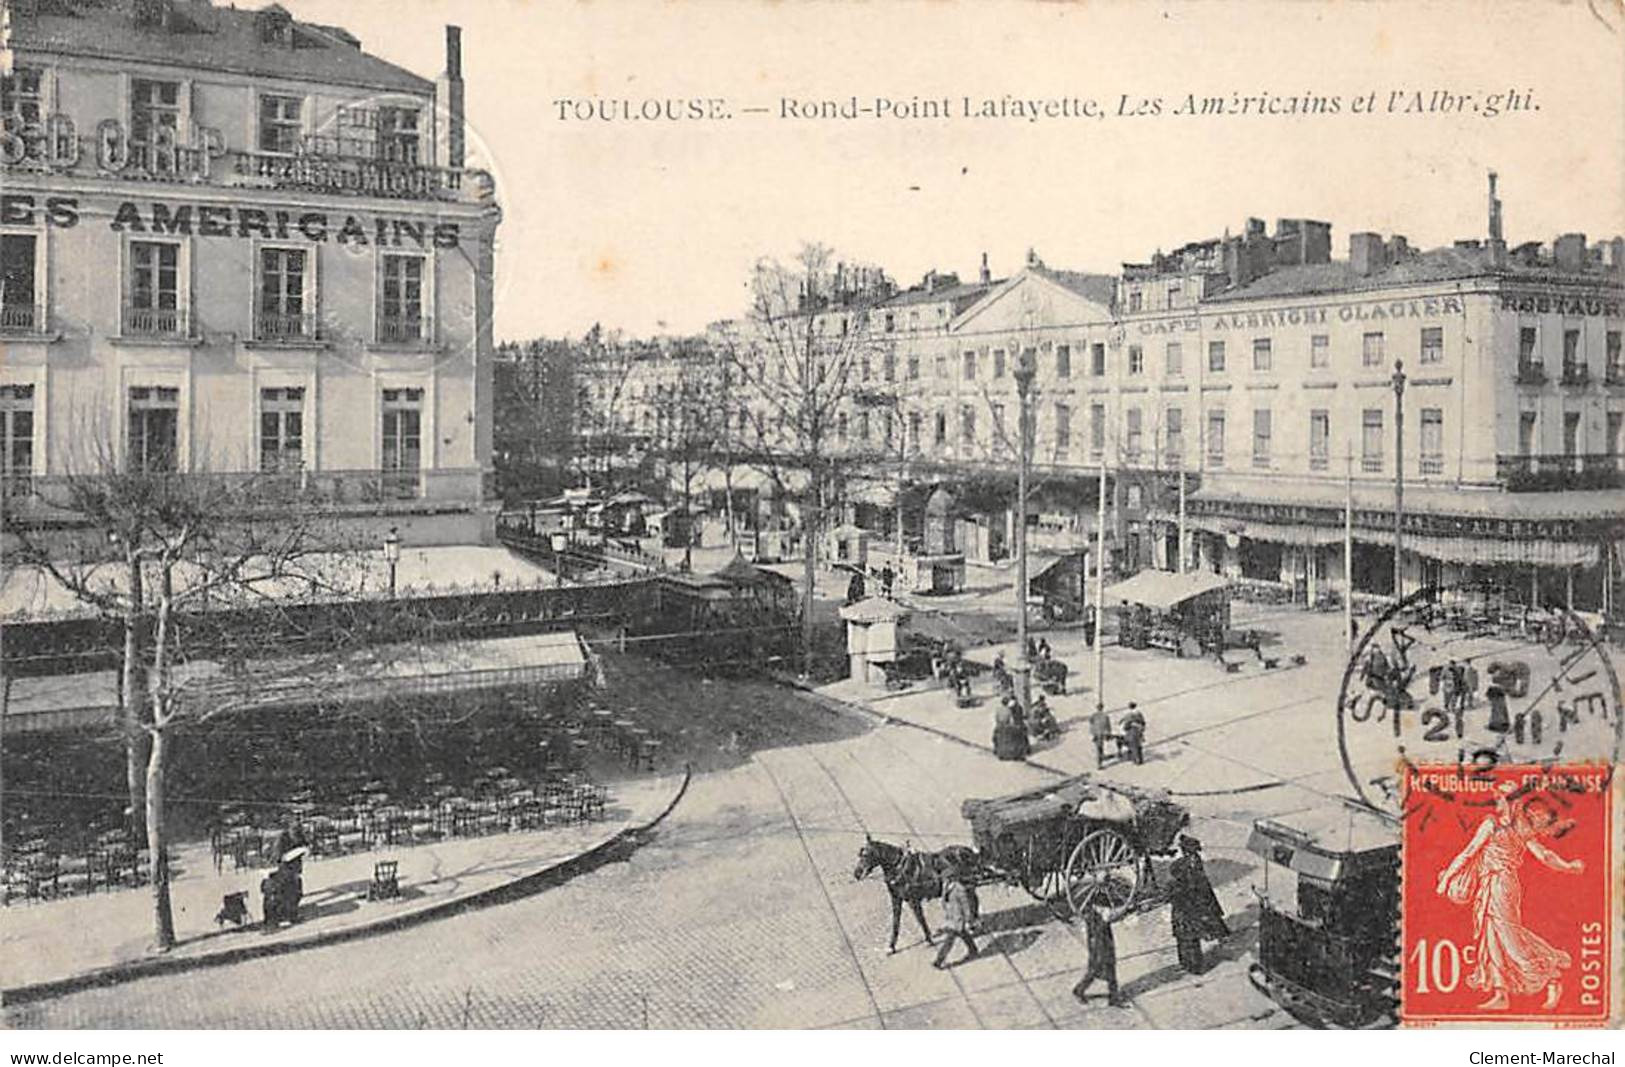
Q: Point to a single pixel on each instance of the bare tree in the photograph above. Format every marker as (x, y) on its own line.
(160, 552)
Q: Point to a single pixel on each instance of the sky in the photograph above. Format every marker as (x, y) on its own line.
(653, 226)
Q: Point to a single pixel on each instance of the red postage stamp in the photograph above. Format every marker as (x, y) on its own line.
(1507, 894)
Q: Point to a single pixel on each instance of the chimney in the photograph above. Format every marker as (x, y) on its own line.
(1317, 241)
(1366, 253)
(1255, 228)
(1399, 248)
(448, 92)
(1032, 258)
(1569, 251)
(986, 275)
(1495, 212)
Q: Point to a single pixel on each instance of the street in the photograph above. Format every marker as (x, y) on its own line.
(742, 910)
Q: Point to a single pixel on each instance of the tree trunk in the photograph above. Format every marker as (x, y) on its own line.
(162, 914)
(809, 544)
(133, 703)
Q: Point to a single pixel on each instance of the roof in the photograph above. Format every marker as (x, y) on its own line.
(740, 571)
(1425, 500)
(873, 609)
(1101, 288)
(211, 38)
(1434, 265)
(1163, 590)
(962, 292)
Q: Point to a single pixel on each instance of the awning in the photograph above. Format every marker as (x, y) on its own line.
(1163, 590)
(90, 698)
(1483, 550)
(1419, 499)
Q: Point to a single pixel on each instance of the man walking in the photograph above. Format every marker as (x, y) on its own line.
(1195, 908)
(959, 909)
(1133, 726)
(1102, 958)
(1100, 728)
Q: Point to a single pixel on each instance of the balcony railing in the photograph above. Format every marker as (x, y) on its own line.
(22, 318)
(1576, 375)
(1371, 464)
(357, 176)
(1555, 472)
(1431, 464)
(1614, 376)
(1318, 462)
(403, 329)
(1531, 374)
(1261, 461)
(155, 322)
(286, 326)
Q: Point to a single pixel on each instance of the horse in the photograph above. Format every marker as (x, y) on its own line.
(1051, 675)
(911, 876)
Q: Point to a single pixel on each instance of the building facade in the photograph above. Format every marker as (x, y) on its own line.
(237, 242)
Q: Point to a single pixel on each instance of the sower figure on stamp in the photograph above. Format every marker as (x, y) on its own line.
(1102, 958)
(1511, 958)
(960, 909)
(1195, 908)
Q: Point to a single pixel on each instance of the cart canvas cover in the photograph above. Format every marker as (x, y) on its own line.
(1156, 818)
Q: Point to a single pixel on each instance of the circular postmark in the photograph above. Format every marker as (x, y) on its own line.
(1437, 686)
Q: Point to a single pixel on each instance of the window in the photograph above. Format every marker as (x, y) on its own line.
(154, 420)
(913, 366)
(1528, 346)
(281, 123)
(891, 322)
(914, 320)
(1261, 437)
(998, 421)
(1571, 353)
(864, 367)
(1097, 360)
(283, 311)
(1432, 450)
(19, 294)
(1371, 350)
(1063, 361)
(1136, 359)
(400, 307)
(1215, 356)
(840, 428)
(888, 365)
(998, 363)
(1320, 438)
(1263, 358)
(402, 452)
(1320, 351)
(1063, 428)
(1132, 435)
(1571, 433)
(967, 425)
(1097, 428)
(1134, 300)
(1371, 440)
(942, 366)
(1615, 444)
(1175, 359)
(863, 426)
(1432, 344)
(1215, 438)
(282, 429)
(914, 431)
(21, 94)
(885, 426)
(398, 137)
(16, 436)
(941, 428)
(1612, 366)
(153, 305)
(970, 366)
(155, 107)
(1175, 422)
(1526, 433)
(1173, 294)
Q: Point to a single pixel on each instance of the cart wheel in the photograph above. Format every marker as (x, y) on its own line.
(1103, 871)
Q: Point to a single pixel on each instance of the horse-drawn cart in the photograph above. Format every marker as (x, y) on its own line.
(1076, 844)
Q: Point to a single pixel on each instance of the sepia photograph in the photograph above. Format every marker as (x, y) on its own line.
(738, 516)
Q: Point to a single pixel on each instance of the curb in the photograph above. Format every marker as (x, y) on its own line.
(525, 885)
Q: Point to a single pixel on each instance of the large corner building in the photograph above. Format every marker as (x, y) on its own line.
(232, 241)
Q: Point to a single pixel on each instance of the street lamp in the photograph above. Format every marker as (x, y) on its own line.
(1026, 369)
(392, 556)
(1399, 478)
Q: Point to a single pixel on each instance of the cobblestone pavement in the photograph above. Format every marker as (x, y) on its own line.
(742, 911)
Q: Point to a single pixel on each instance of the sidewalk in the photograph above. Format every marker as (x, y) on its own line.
(102, 938)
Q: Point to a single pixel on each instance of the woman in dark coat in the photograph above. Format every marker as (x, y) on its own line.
(1195, 912)
(1010, 731)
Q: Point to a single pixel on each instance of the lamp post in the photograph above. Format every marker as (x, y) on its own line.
(1399, 478)
(1026, 370)
(392, 556)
